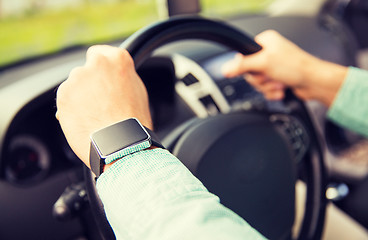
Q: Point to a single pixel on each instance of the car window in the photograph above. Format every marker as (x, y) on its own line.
(30, 28)
(229, 8)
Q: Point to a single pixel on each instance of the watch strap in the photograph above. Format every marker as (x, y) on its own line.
(97, 164)
(155, 141)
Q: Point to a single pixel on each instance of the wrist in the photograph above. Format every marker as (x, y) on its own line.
(323, 80)
(117, 141)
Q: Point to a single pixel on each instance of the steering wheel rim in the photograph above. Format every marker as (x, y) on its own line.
(141, 45)
(316, 201)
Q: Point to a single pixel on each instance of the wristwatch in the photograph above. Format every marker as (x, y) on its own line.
(117, 141)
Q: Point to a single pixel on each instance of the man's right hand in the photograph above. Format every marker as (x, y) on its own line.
(106, 90)
(281, 64)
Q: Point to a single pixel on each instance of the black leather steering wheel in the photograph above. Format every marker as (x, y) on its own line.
(272, 181)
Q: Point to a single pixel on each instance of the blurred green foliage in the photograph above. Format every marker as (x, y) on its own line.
(226, 8)
(40, 32)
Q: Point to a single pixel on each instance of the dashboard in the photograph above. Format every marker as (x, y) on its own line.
(183, 81)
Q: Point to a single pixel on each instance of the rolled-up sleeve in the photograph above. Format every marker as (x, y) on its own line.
(350, 106)
(152, 195)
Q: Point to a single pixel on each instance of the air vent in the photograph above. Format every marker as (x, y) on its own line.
(189, 79)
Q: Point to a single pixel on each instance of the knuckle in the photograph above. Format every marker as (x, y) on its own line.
(93, 50)
(57, 115)
(76, 72)
(125, 57)
(59, 90)
(60, 94)
(267, 36)
(270, 33)
(96, 54)
(90, 51)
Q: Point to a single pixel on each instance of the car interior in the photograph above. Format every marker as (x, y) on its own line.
(221, 128)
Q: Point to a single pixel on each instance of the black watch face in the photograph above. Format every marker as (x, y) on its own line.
(119, 136)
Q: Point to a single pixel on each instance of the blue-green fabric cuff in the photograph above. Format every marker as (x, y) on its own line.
(349, 108)
(127, 151)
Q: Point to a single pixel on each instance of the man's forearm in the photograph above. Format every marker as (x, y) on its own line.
(151, 195)
(324, 79)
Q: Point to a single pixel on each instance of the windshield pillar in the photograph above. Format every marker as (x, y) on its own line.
(169, 8)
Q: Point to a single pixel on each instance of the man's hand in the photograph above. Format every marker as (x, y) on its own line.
(282, 64)
(105, 90)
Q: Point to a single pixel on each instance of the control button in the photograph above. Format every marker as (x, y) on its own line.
(210, 105)
(295, 132)
(189, 79)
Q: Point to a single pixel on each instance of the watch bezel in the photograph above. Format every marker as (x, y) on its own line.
(97, 160)
(132, 145)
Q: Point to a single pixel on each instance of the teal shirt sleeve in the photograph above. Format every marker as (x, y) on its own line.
(350, 106)
(152, 195)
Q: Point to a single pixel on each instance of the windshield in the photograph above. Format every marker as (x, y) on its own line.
(31, 28)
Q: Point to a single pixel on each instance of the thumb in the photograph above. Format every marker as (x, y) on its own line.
(242, 64)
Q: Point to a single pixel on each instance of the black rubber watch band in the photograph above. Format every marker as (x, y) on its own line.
(154, 139)
(97, 164)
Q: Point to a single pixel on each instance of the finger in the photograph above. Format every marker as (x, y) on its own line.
(256, 79)
(60, 96)
(302, 94)
(94, 50)
(77, 74)
(109, 52)
(241, 64)
(267, 36)
(59, 92)
(57, 115)
(96, 55)
(100, 54)
(231, 68)
(271, 89)
(272, 86)
(105, 54)
(275, 95)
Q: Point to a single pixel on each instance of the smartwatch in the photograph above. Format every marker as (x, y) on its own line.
(117, 141)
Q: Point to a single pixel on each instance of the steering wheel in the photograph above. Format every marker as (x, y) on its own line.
(249, 159)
